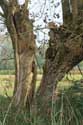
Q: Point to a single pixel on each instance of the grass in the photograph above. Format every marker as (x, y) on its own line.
(7, 72)
(66, 110)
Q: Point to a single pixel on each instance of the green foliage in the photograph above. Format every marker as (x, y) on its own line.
(7, 72)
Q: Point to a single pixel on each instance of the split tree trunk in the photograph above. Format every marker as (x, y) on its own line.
(65, 51)
(23, 40)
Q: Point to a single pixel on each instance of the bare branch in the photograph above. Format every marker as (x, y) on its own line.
(1, 14)
(74, 9)
(4, 6)
(13, 2)
(26, 3)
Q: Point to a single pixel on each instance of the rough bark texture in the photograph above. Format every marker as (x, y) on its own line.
(24, 58)
(64, 52)
(74, 9)
(20, 29)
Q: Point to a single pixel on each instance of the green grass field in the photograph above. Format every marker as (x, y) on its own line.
(70, 102)
(7, 82)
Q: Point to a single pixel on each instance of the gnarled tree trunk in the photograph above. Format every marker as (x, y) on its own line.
(23, 40)
(64, 52)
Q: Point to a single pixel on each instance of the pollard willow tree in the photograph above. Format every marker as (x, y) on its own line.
(64, 52)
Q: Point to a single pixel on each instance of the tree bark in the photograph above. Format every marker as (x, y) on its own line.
(21, 32)
(65, 51)
(74, 4)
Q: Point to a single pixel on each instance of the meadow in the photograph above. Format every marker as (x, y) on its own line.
(67, 109)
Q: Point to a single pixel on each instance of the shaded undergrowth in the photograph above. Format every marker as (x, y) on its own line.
(67, 109)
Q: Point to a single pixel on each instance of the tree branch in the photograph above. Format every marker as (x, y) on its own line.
(26, 3)
(14, 2)
(1, 14)
(4, 6)
(65, 51)
(74, 9)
